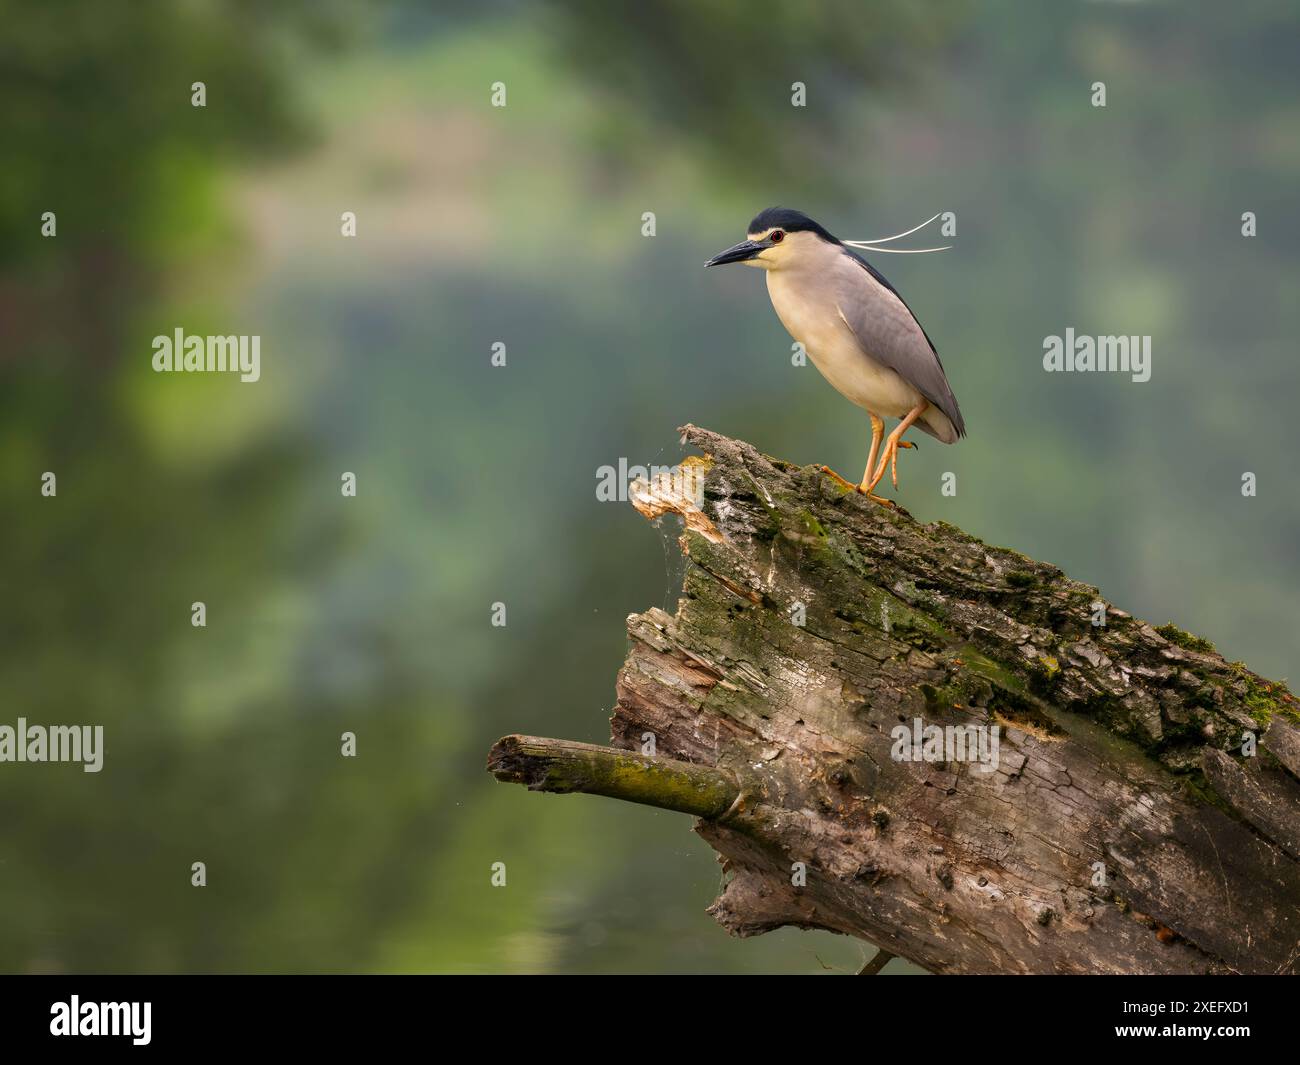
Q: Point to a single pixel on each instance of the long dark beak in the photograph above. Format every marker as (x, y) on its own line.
(738, 253)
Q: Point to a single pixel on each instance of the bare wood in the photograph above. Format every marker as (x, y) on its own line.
(1122, 830)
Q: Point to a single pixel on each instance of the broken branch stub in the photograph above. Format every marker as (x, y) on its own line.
(566, 766)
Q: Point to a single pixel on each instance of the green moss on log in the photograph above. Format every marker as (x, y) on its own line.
(1185, 640)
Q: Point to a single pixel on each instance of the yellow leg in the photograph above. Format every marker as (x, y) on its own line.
(842, 482)
(877, 431)
(851, 487)
(890, 455)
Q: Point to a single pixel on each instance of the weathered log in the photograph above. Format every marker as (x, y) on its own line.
(1124, 827)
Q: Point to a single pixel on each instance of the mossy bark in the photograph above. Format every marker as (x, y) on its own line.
(565, 766)
(1122, 831)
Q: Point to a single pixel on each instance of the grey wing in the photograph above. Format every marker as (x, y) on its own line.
(889, 332)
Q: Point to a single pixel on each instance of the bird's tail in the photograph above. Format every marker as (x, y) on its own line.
(939, 425)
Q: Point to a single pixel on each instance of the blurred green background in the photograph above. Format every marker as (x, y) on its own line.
(477, 484)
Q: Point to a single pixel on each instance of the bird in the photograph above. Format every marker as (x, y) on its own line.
(857, 330)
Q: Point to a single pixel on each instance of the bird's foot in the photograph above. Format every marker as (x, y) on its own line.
(851, 487)
(888, 459)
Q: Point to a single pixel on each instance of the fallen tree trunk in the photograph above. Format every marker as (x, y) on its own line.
(1121, 819)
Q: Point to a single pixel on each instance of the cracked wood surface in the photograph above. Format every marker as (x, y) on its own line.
(1120, 745)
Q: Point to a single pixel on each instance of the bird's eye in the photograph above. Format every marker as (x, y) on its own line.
(776, 237)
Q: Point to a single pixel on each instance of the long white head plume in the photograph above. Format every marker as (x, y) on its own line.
(871, 245)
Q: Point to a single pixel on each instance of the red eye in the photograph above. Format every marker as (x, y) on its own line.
(777, 236)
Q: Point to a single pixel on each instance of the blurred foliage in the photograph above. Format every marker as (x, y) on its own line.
(719, 77)
(477, 484)
(95, 113)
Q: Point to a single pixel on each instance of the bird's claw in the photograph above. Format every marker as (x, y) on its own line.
(838, 479)
(859, 488)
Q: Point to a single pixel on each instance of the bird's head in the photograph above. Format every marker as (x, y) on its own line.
(776, 238)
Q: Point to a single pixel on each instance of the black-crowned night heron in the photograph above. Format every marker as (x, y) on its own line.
(856, 329)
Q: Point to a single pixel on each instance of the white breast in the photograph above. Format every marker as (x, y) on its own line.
(808, 312)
